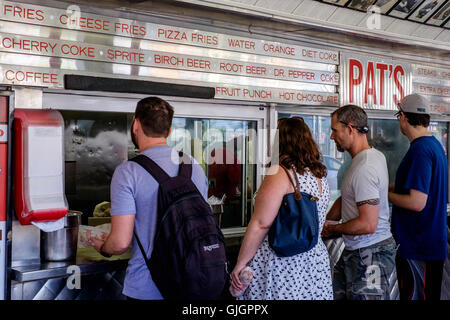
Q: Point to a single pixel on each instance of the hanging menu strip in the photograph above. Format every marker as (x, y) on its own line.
(76, 20)
(44, 77)
(277, 95)
(431, 89)
(77, 50)
(430, 72)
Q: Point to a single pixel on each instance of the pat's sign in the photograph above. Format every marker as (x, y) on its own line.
(374, 82)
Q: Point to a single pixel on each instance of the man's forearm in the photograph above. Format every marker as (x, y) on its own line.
(354, 227)
(113, 247)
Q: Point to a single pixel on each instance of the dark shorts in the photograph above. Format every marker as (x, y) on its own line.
(419, 279)
(364, 274)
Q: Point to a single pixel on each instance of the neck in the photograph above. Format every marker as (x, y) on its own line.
(359, 145)
(152, 142)
(416, 132)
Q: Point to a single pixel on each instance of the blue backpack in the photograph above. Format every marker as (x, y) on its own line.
(188, 260)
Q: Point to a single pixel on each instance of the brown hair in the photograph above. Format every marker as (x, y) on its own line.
(298, 148)
(155, 116)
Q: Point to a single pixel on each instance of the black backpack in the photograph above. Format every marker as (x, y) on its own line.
(188, 260)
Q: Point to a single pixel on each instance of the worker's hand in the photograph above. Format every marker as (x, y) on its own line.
(391, 187)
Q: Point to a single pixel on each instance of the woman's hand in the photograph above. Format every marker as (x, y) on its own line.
(235, 280)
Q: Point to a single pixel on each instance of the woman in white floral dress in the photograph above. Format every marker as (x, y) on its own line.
(305, 276)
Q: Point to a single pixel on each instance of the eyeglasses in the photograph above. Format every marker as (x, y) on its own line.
(398, 115)
(347, 124)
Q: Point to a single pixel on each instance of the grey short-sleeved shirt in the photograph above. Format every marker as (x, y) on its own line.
(135, 191)
(366, 178)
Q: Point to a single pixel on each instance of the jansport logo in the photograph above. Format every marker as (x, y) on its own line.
(211, 247)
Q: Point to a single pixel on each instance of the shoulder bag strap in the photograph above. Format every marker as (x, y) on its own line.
(296, 185)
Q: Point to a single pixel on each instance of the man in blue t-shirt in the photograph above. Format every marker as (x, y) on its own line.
(419, 211)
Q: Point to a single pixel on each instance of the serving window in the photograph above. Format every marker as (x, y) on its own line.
(228, 148)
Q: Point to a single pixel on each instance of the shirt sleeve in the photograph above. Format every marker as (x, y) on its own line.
(122, 191)
(366, 185)
(419, 173)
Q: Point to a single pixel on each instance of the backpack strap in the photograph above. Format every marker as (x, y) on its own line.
(152, 168)
(147, 260)
(185, 166)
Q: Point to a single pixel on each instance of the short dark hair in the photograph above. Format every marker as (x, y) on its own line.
(155, 116)
(351, 114)
(418, 119)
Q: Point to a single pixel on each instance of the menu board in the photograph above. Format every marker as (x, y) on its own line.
(39, 53)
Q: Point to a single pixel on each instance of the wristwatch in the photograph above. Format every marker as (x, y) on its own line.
(103, 253)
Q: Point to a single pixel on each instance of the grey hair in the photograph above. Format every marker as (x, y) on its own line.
(351, 114)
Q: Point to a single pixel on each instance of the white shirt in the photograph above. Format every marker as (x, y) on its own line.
(366, 178)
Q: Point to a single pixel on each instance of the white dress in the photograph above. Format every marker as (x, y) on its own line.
(305, 276)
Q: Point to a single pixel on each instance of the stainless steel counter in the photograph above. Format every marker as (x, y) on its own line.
(61, 269)
(89, 277)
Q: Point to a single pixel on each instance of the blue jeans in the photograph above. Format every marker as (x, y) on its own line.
(363, 274)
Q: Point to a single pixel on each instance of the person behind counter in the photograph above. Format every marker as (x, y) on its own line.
(134, 195)
(419, 199)
(363, 207)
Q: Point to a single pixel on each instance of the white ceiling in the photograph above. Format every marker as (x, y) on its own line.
(321, 14)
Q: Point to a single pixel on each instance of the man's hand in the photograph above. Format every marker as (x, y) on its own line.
(95, 242)
(391, 187)
(328, 230)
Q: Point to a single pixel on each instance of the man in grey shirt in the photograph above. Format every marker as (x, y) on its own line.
(362, 272)
(134, 195)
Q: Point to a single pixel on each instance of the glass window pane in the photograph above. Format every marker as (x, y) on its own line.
(95, 143)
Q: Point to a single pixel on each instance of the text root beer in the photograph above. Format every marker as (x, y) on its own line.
(374, 83)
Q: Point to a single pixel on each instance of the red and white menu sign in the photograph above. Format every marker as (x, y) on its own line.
(73, 18)
(374, 83)
(434, 83)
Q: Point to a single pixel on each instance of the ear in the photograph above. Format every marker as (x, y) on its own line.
(134, 126)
